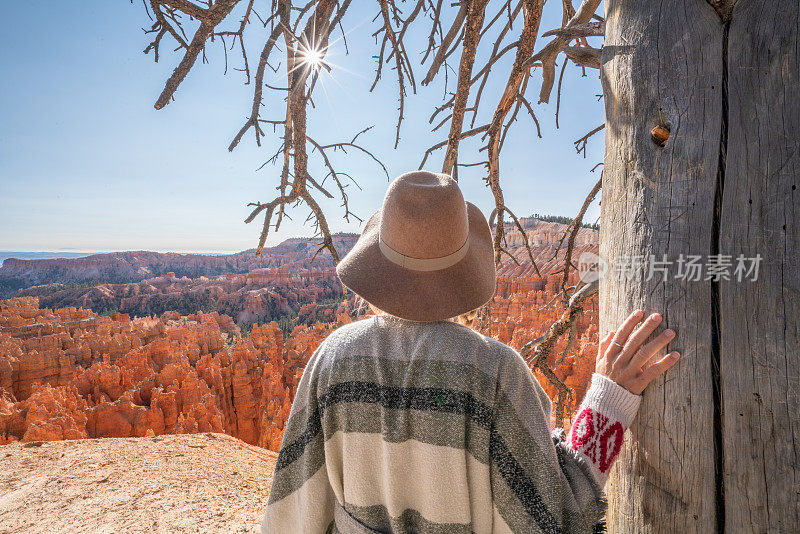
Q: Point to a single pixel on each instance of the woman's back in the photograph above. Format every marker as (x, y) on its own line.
(405, 426)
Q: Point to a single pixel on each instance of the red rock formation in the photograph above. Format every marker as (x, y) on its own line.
(67, 373)
(48, 414)
(146, 376)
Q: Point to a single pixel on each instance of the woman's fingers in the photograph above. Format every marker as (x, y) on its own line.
(625, 358)
(658, 368)
(622, 334)
(638, 338)
(604, 344)
(646, 353)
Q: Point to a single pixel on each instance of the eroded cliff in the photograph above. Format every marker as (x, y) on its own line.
(70, 373)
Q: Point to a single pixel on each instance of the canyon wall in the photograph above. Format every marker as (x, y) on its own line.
(133, 266)
(262, 295)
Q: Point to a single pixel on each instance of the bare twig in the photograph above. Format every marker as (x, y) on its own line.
(576, 225)
(444, 46)
(580, 144)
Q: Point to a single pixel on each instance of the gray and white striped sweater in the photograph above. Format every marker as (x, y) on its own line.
(408, 427)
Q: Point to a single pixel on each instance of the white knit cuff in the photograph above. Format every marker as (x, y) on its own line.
(598, 431)
(612, 400)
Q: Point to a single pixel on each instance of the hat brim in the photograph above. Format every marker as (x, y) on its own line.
(422, 295)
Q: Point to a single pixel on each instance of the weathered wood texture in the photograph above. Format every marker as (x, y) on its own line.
(760, 320)
(725, 182)
(662, 65)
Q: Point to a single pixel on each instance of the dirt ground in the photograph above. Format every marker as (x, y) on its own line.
(174, 483)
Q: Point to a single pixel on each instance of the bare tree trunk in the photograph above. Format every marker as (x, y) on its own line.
(715, 444)
(760, 321)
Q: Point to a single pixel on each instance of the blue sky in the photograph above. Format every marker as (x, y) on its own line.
(87, 163)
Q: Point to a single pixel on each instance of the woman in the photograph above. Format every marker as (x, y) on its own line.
(411, 422)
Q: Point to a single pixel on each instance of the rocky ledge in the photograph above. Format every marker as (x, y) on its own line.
(175, 483)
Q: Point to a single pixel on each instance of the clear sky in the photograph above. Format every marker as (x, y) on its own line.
(87, 163)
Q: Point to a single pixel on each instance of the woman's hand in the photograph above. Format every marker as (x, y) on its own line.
(622, 358)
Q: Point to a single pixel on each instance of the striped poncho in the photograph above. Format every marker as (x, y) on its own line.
(402, 426)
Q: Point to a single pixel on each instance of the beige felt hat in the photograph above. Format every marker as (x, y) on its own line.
(426, 255)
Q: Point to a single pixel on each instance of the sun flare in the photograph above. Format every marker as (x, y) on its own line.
(313, 57)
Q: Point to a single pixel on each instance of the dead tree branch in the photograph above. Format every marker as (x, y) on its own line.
(444, 46)
(547, 56)
(532, 17)
(583, 56)
(209, 18)
(475, 16)
(576, 225)
(537, 351)
(576, 31)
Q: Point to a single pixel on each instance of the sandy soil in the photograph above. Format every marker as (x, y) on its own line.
(175, 483)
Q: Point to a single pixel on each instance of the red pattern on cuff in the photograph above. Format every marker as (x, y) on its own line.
(594, 435)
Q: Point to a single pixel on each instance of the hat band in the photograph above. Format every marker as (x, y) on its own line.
(423, 264)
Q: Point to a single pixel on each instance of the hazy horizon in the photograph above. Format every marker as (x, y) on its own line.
(75, 253)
